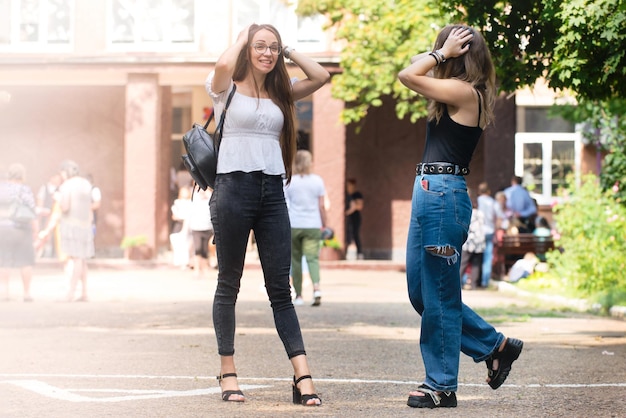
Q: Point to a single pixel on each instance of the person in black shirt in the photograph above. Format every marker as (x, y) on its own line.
(354, 206)
(458, 78)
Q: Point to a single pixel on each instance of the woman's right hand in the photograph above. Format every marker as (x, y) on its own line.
(242, 38)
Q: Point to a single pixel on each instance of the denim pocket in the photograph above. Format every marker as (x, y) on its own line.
(462, 207)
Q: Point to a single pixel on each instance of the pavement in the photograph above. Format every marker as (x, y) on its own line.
(144, 346)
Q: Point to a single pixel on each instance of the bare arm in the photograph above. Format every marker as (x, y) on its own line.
(322, 211)
(225, 65)
(459, 95)
(317, 75)
(355, 205)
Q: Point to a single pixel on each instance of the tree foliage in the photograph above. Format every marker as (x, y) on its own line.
(590, 52)
(379, 38)
(521, 34)
(578, 45)
(603, 126)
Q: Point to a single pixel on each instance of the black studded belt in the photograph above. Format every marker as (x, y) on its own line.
(441, 168)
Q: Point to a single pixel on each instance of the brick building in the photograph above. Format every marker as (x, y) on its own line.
(113, 85)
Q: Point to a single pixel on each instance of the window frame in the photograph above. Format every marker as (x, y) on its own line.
(42, 45)
(546, 139)
(139, 45)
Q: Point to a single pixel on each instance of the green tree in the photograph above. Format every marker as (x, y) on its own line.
(379, 38)
(604, 128)
(576, 44)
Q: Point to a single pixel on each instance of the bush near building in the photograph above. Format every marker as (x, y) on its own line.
(592, 242)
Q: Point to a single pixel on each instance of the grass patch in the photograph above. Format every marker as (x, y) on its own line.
(520, 313)
(546, 284)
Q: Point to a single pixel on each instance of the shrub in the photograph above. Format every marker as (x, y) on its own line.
(592, 228)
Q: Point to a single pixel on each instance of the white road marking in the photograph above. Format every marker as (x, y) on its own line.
(69, 395)
(33, 382)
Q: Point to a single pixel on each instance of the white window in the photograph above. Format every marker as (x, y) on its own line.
(303, 33)
(275, 12)
(545, 159)
(151, 24)
(36, 25)
(311, 35)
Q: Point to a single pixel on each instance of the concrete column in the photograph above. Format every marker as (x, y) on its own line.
(329, 154)
(142, 157)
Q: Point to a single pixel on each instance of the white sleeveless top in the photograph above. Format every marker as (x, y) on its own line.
(252, 129)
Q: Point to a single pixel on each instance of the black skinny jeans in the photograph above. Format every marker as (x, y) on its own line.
(252, 201)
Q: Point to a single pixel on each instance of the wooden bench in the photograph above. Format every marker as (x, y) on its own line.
(514, 247)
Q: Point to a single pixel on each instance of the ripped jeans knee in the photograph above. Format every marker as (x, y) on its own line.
(446, 251)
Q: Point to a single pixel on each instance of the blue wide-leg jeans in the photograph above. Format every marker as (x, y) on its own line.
(440, 217)
(242, 202)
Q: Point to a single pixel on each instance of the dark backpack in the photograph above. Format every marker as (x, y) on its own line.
(202, 149)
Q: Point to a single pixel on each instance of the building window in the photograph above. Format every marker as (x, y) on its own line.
(146, 23)
(311, 35)
(544, 160)
(303, 33)
(547, 150)
(27, 25)
(275, 12)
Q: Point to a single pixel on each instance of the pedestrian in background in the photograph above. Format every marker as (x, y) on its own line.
(354, 206)
(473, 249)
(201, 228)
(256, 153)
(75, 220)
(180, 238)
(488, 206)
(458, 78)
(17, 237)
(520, 202)
(45, 205)
(307, 214)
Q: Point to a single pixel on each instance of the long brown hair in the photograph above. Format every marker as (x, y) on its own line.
(278, 86)
(474, 67)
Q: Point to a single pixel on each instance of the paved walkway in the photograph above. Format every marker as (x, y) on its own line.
(144, 347)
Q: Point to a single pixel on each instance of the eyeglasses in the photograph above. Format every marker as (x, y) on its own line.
(262, 48)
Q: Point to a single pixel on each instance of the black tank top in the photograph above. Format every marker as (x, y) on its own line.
(451, 142)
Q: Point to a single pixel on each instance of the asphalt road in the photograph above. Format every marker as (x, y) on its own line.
(144, 347)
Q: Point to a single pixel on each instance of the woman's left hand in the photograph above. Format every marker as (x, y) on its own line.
(458, 42)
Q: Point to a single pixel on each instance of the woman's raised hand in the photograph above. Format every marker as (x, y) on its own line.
(457, 43)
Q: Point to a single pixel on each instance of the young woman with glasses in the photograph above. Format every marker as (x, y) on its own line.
(256, 154)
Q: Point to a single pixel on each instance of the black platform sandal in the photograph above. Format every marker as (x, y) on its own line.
(299, 398)
(506, 357)
(432, 399)
(226, 394)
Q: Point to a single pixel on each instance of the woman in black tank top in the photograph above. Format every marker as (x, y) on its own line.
(458, 79)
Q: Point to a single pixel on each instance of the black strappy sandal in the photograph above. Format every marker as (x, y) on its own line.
(432, 399)
(506, 357)
(226, 394)
(299, 398)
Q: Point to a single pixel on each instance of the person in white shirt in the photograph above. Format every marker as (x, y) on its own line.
(488, 206)
(256, 152)
(307, 213)
(201, 228)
